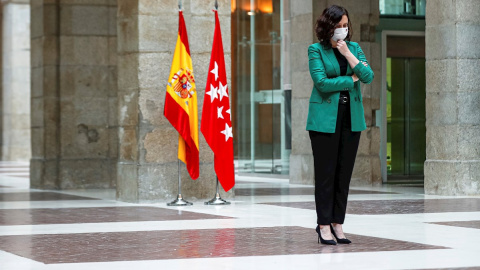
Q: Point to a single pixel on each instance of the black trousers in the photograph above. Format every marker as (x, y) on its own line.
(334, 157)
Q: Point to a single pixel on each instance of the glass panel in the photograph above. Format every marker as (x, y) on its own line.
(402, 7)
(259, 104)
(417, 136)
(396, 121)
(405, 116)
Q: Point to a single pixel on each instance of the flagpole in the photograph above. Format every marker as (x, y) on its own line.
(179, 201)
(217, 200)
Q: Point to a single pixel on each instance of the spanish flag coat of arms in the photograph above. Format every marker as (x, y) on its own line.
(181, 102)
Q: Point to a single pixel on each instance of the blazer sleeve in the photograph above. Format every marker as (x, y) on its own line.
(364, 73)
(320, 80)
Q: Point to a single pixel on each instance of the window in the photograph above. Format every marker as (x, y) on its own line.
(406, 8)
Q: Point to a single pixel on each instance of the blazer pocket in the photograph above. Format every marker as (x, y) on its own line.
(316, 99)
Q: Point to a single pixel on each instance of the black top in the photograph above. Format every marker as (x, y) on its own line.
(343, 63)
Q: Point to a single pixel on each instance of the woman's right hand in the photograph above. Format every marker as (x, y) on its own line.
(354, 77)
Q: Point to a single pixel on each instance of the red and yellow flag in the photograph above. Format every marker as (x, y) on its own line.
(181, 102)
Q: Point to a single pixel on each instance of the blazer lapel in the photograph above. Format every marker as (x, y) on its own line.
(333, 59)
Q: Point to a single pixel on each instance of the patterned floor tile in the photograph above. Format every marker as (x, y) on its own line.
(475, 224)
(160, 245)
(461, 268)
(293, 191)
(95, 215)
(381, 207)
(39, 196)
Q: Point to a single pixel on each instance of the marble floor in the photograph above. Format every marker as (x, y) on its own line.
(269, 225)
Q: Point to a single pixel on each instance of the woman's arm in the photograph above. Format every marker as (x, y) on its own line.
(319, 77)
(360, 66)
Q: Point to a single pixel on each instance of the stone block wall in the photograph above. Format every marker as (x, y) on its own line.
(364, 15)
(74, 94)
(147, 34)
(453, 97)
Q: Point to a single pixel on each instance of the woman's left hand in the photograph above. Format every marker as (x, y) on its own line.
(343, 48)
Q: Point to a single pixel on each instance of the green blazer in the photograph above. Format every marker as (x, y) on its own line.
(327, 84)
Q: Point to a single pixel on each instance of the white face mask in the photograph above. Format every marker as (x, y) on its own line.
(340, 33)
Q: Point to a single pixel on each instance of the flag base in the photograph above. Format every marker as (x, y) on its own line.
(217, 201)
(179, 202)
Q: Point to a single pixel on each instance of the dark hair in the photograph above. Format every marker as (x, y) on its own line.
(325, 25)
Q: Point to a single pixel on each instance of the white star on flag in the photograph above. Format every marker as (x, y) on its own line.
(222, 91)
(212, 93)
(230, 113)
(215, 71)
(227, 132)
(219, 112)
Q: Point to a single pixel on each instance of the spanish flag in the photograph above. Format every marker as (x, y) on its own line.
(181, 102)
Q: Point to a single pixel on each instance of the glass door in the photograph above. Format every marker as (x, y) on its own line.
(405, 117)
(259, 103)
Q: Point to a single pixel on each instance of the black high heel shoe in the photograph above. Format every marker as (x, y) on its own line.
(323, 241)
(339, 240)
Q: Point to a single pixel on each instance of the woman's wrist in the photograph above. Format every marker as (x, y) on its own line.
(352, 60)
(349, 54)
(354, 77)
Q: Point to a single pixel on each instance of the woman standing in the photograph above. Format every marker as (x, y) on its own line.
(335, 117)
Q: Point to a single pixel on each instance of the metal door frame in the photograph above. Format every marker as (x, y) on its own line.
(383, 96)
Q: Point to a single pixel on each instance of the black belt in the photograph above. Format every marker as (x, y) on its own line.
(343, 100)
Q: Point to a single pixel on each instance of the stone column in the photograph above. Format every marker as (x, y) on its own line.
(1, 81)
(74, 94)
(453, 97)
(16, 80)
(147, 34)
(364, 15)
(301, 34)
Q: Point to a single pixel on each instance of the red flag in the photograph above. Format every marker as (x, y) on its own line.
(216, 115)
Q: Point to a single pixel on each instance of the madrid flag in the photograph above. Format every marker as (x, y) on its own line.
(181, 102)
(216, 115)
